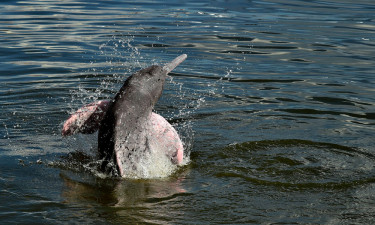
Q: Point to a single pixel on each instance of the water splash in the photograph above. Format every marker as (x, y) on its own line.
(114, 62)
(121, 56)
(178, 104)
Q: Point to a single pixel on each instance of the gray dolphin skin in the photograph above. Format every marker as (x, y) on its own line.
(124, 133)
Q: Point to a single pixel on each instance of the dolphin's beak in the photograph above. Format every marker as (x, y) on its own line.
(170, 66)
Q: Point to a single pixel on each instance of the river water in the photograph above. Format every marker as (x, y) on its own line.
(275, 105)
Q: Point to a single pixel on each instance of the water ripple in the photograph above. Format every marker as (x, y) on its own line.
(294, 164)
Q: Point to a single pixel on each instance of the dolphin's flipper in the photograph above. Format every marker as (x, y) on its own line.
(86, 120)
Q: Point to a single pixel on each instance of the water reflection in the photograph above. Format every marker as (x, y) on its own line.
(121, 201)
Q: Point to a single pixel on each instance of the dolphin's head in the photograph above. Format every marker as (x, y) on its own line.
(148, 83)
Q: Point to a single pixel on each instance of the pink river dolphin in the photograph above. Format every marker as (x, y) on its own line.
(126, 124)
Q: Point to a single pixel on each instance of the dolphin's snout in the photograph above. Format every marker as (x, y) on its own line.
(170, 66)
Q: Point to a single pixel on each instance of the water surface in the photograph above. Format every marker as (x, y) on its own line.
(275, 104)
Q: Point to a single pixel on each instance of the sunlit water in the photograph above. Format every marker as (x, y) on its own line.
(275, 106)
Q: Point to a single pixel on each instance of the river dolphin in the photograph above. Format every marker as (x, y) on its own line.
(128, 129)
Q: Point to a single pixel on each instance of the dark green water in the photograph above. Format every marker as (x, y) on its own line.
(275, 104)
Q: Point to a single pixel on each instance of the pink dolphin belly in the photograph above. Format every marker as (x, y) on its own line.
(167, 136)
(87, 119)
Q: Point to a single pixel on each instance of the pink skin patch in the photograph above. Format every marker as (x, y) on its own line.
(87, 119)
(167, 136)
